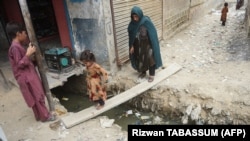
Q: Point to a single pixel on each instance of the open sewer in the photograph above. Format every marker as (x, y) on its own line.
(123, 114)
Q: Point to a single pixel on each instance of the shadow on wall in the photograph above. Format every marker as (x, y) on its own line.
(4, 43)
(90, 35)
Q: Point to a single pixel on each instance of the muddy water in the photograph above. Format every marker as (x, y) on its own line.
(123, 114)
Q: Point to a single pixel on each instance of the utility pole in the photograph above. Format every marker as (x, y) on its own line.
(38, 56)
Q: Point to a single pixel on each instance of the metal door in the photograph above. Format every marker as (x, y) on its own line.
(121, 18)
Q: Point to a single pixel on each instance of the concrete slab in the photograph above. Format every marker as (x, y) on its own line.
(76, 118)
(2, 135)
(56, 79)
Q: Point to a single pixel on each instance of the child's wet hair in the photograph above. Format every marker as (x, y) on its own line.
(87, 55)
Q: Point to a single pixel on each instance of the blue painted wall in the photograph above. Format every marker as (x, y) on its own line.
(88, 28)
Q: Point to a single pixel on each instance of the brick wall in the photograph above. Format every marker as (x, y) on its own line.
(177, 15)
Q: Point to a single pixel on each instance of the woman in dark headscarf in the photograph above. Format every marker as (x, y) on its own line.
(144, 49)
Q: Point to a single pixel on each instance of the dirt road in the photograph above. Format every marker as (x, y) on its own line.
(213, 85)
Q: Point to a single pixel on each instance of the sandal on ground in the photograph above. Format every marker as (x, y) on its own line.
(151, 79)
(142, 75)
(51, 118)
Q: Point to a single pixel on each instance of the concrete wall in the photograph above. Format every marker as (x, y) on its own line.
(230, 1)
(199, 8)
(248, 18)
(196, 9)
(92, 24)
(178, 14)
(175, 16)
(109, 33)
(88, 27)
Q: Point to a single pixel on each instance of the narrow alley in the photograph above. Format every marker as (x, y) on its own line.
(213, 85)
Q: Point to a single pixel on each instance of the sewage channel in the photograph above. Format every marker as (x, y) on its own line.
(123, 114)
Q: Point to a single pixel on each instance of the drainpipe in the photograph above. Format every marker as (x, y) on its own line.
(38, 56)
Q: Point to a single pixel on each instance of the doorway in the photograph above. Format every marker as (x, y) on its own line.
(44, 23)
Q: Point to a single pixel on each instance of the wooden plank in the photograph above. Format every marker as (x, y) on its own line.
(76, 118)
(2, 135)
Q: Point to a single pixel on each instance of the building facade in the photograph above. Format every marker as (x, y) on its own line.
(101, 25)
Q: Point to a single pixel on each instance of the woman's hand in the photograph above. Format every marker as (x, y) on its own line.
(131, 51)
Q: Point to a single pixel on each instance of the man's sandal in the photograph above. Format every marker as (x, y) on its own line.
(51, 117)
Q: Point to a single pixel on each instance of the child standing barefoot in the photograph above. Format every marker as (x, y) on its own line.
(96, 79)
(224, 12)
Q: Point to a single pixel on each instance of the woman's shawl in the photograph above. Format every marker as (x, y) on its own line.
(133, 28)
